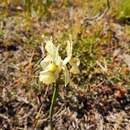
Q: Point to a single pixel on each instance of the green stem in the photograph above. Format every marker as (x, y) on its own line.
(53, 100)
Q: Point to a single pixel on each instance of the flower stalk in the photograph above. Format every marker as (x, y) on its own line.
(53, 101)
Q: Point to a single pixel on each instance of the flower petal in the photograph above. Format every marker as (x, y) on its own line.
(69, 52)
(47, 77)
(75, 70)
(45, 62)
(53, 52)
(69, 49)
(50, 48)
(75, 62)
(66, 74)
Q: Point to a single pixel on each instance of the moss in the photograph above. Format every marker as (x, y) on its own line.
(124, 9)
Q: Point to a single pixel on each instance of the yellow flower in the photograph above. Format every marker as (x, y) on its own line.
(52, 64)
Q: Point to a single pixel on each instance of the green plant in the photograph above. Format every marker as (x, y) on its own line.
(88, 50)
(37, 7)
(124, 9)
(53, 66)
(96, 7)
